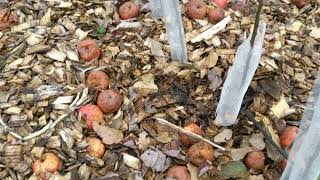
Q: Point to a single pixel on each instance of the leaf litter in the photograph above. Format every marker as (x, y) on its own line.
(43, 83)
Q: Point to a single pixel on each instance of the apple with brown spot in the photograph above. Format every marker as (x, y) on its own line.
(200, 152)
(49, 163)
(98, 80)
(109, 101)
(90, 113)
(95, 147)
(88, 50)
(196, 9)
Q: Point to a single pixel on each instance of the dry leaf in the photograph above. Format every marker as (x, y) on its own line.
(214, 79)
(154, 159)
(238, 154)
(143, 141)
(257, 141)
(109, 135)
(224, 136)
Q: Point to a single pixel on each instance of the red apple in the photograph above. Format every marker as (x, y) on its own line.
(194, 128)
(254, 160)
(196, 9)
(221, 3)
(215, 14)
(282, 165)
(88, 50)
(288, 135)
(91, 113)
(98, 80)
(109, 101)
(299, 3)
(129, 10)
(178, 173)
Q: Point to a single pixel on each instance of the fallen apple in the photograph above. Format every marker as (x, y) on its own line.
(98, 80)
(95, 147)
(221, 3)
(129, 10)
(255, 160)
(88, 50)
(215, 14)
(282, 165)
(200, 152)
(299, 3)
(91, 113)
(109, 101)
(178, 173)
(288, 135)
(196, 9)
(194, 128)
(49, 163)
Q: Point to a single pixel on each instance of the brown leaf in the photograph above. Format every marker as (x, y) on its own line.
(214, 79)
(109, 135)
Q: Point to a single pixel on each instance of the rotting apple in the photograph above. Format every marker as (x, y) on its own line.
(200, 152)
(194, 128)
(179, 173)
(109, 101)
(88, 50)
(95, 147)
(129, 10)
(90, 113)
(49, 163)
(98, 80)
(196, 9)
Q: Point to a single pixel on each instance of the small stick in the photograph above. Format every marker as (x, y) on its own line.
(193, 135)
(265, 134)
(256, 23)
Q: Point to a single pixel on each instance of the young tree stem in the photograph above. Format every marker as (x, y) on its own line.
(256, 23)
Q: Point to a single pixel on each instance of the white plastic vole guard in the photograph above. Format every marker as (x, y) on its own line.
(239, 78)
(304, 157)
(169, 11)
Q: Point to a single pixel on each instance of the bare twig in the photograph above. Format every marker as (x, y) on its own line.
(256, 23)
(265, 134)
(193, 135)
